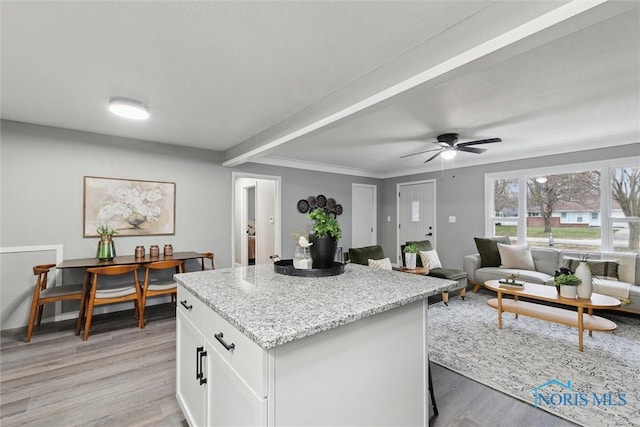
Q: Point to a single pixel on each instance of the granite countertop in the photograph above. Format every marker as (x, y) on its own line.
(273, 309)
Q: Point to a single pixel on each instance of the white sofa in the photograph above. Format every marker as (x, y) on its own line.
(548, 260)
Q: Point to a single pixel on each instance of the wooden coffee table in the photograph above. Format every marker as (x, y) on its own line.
(563, 316)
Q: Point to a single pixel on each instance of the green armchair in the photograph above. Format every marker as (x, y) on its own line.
(364, 254)
(459, 276)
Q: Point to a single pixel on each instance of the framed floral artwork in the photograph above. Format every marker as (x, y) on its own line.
(132, 207)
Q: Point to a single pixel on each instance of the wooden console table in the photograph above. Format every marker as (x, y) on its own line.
(124, 260)
(563, 316)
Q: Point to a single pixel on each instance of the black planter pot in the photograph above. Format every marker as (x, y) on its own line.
(323, 251)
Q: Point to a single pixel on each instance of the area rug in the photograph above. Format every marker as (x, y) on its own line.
(538, 362)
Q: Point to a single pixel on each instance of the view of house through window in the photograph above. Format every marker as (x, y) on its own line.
(560, 211)
(567, 211)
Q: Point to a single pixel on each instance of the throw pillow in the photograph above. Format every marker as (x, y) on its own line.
(516, 256)
(430, 259)
(384, 263)
(601, 269)
(488, 250)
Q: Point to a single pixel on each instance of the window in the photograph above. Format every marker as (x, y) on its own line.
(505, 207)
(624, 215)
(415, 211)
(574, 208)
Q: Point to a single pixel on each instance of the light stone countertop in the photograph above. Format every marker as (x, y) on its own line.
(273, 309)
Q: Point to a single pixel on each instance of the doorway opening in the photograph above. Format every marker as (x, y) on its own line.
(255, 218)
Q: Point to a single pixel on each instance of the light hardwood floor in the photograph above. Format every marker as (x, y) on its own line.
(124, 376)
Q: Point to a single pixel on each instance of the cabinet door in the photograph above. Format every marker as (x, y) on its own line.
(230, 401)
(189, 363)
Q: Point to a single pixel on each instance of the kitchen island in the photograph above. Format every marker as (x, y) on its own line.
(258, 348)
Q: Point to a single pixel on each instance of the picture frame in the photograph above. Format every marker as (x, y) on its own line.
(132, 207)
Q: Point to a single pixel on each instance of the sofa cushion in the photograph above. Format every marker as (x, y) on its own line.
(447, 273)
(546, 260)
(488, 250)
(516, 256)
(602, 269)
(362, 255)
(430, 259)
(384, 263)
(497, 273)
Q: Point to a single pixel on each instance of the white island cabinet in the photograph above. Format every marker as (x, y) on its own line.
(258, 348)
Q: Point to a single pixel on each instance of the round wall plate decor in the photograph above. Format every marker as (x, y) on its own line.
(321, 201)
(303, 206)
(312, 201)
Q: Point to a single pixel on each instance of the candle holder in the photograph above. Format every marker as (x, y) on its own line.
(154, 251)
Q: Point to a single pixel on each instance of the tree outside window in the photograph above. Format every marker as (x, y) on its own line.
(625, 195)
(563, 201)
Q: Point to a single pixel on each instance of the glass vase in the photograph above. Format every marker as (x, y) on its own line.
(106, 249)
(302, 258)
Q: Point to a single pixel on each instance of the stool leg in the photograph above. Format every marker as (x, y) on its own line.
(433, 397)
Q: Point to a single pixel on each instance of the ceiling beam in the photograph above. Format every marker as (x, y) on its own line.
(285, 131)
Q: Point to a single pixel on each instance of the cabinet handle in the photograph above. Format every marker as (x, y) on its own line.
(184, 304)
(219, 337)
(200, 353)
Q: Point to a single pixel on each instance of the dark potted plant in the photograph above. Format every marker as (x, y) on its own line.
(325, 235)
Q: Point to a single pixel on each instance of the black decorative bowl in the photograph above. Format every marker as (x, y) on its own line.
(285, 266)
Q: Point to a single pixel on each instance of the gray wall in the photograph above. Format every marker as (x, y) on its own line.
(42, 170)
(460, 192)
(299, 184)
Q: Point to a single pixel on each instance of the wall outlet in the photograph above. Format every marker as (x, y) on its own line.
(388, 219)
(452, 219)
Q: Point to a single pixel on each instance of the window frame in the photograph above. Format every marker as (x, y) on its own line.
(604, 167)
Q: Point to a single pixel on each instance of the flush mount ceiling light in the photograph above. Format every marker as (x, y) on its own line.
(448, 154)
(129, 108)
(541, 179)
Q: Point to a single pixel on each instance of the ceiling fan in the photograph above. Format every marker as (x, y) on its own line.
(449, 146)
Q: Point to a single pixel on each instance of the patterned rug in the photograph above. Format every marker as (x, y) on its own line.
(538, 361)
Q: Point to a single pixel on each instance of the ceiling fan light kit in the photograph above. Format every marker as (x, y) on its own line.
(129, 108)
(449, 146)
(448, 153)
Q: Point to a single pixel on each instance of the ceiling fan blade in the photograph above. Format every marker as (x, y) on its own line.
(471, 149)
(478, 142)
(434, 156)
(420, 152)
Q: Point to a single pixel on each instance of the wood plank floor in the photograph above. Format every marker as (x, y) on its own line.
(124, 376)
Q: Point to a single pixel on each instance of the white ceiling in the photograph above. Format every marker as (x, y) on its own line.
(338, 86)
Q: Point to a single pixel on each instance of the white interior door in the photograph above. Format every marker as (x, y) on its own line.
(265, 220)
(364, 219)
(416, 213)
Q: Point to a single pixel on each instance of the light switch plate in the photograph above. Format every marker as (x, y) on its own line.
(452, 219)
